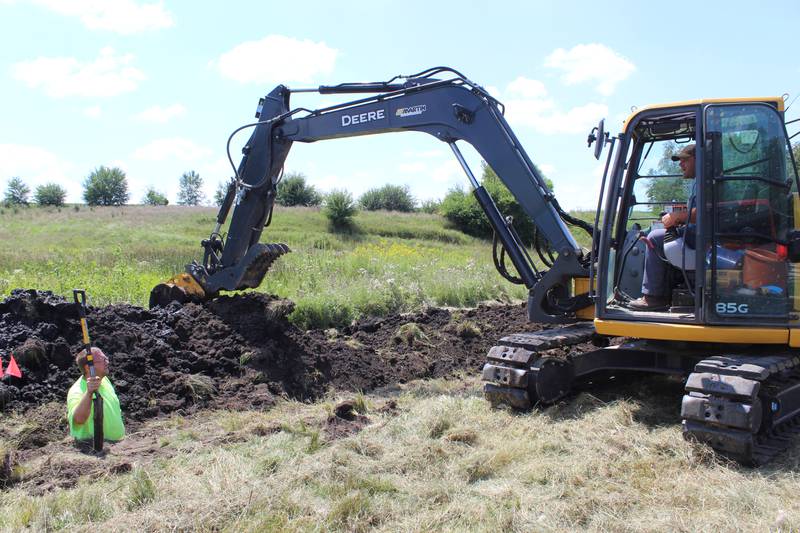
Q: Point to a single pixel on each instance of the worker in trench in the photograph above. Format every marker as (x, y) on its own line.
(80, 412)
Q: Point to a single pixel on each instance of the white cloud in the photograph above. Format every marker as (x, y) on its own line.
(523, 87)
(578, 119)
(160, 114)
(120, 16)
(328, 182)
(93, 111)
(108, 75)
(548, 169)
(430, 178)
(491, 89)
(427, 154)
(37, 166)
(529, 105)
(277, 58)
(591, 63)
(175, 148)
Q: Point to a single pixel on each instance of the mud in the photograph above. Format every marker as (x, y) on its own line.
(236, 352)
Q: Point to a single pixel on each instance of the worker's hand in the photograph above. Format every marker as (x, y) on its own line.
(673, 219)
(92, 384)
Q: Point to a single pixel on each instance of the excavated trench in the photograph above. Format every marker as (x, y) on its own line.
(234, 352)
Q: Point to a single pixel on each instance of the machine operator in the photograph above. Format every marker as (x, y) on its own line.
(654, 284)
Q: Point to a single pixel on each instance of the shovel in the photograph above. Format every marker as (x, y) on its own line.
(80, 300)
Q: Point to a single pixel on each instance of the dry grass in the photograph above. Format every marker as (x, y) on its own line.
(443, 460)
(410, 334)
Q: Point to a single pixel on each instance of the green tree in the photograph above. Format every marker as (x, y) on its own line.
(106, 186)
(50, 194)
(462, 209)
(190, 189)
(17, 192)
(667, 190)
(388, 197)
(154, 197)
(293, 190)
(219, 194)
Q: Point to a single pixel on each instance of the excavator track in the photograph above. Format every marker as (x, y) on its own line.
(746, 408)
(518, 375)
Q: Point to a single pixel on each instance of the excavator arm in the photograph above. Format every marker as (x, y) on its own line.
(451, 109)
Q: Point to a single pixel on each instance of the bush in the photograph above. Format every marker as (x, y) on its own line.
(106, 186)
(340, 209)
(462, 209)
(50, 194)
(432, 207)
(388, 197)
(293, 190)
(17, 192)
(153, 197)
(190, 189)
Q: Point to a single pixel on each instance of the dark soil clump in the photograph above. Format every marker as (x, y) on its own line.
(235, 352)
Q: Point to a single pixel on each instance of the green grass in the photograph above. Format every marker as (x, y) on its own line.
(391, 262)
(443, 460)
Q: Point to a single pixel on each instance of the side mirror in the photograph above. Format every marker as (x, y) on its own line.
(598, 136)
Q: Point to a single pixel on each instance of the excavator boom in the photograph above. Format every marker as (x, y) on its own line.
(450, 109)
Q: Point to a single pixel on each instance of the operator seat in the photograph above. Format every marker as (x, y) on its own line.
(679, 245)
(679, 254)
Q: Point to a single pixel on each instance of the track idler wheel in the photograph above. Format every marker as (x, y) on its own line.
(550, 379)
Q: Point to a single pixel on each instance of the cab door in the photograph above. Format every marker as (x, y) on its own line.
(751, 188)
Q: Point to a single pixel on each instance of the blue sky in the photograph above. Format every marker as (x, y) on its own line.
(156, 87)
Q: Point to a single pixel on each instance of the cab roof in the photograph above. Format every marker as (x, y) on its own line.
(777, 101)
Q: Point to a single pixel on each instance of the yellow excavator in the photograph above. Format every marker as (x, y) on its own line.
(729, 315)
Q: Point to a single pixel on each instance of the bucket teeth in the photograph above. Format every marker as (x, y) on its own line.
(261, 263)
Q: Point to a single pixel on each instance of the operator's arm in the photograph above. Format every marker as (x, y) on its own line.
(79, 407)
(679, 217)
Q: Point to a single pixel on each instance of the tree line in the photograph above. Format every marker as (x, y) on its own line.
(107, 186)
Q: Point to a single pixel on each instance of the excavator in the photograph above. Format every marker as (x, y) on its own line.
(731, 325)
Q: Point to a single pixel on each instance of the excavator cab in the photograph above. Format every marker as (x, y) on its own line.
(734, 267)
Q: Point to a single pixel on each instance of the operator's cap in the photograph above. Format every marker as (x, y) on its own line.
(685, 153)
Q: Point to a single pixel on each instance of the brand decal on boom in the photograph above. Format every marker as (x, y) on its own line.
(360, 118)
(411, 111)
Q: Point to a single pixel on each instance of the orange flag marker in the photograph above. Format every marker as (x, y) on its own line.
(13, 369)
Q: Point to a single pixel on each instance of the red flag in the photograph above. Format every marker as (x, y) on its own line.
(13, 369)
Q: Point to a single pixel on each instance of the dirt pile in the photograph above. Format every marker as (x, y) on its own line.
(234, 352)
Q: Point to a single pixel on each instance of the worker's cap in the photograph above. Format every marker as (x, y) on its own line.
(685, 153)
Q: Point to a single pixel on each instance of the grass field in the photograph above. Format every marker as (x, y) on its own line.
(392, 262)
(433, 455)
(439, 459)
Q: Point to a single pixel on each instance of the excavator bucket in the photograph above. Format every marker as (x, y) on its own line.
(181, 288)
(248, 273)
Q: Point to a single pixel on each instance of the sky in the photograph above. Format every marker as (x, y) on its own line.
(156, 88)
